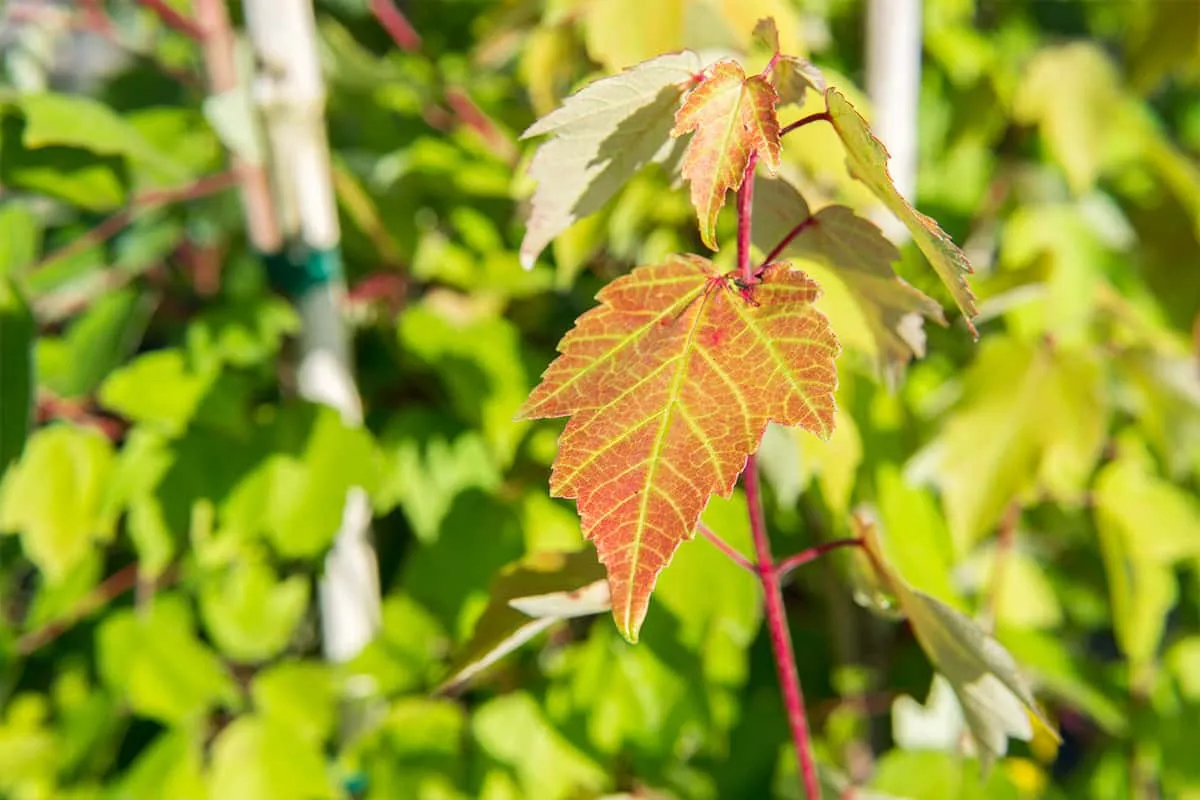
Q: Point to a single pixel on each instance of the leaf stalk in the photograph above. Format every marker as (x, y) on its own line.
(800, 123)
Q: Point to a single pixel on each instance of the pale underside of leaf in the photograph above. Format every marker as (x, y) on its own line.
(670, 383)
(731, 118)
(860, 255)
(996, 700)
(867, 160)
(599, 138)
(528, 597)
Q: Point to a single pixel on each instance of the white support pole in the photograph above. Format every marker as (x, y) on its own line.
(290, 94)
(894, 85)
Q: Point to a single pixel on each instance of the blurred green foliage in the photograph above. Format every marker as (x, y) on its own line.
(166, 502)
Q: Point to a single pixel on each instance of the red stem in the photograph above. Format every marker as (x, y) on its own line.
(210, 184)
(397, 25)
(800, 559)
(745, 200)
(768, 576)
(173, 19)
(800, 123)
(781, 637)
(786, 240)
(728, 549)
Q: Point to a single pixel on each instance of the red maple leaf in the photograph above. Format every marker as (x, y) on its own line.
(733, 117)
(670, 383)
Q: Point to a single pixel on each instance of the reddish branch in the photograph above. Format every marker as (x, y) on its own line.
(786, 240)
(208, 185)
(397, 25)
(728, 549)
(768, 575)
(811, 554)
(800, 123)
(113, 587)
(173, 19)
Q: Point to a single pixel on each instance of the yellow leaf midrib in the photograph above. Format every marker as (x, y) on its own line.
(656, 453)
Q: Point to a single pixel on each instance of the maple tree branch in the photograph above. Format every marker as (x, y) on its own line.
(786, 240)
(209, 184)
(800, 123)
(811, 554)
(173, 19)
(397, 25)
(110, 589)
(745, 200)
(728, 549)
(781, 637)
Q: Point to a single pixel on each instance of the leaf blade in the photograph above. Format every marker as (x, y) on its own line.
(731, 118)
(867, 160)
(655, 380)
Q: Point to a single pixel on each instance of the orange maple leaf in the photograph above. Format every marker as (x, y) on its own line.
(733, 117)
(670, 383)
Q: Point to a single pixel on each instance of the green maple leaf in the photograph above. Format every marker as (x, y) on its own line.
(732, 117)
(867, 158)
(860, 256)
(1046, 418)
(670, 383)
(792, 76)
(996, 701)
(599, 138)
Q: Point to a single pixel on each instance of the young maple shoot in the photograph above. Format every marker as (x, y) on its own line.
(670, 382)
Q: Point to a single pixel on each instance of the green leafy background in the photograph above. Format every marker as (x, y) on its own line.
(166, 502)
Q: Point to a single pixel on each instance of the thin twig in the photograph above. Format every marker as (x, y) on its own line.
(397, 25)
(786, 240)
(113, 587)
(811, 554)
(728, 549)
(173, 19)
(781, 637)
(208, 185)
(800, 123)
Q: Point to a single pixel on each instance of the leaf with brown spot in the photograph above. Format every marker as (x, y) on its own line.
(669, 385)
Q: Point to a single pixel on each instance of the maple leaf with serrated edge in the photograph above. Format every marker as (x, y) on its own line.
(791, 75)
(867, 159)
(860, 256)
(600, 137)
(733, 117)
(669, 384)
(997, 702)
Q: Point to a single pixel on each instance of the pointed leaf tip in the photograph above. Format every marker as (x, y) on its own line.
(732, 117)
(867, 160)
(669, 385)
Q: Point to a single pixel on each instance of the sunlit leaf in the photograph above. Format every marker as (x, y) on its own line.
(55, 497)
(257, 757)
(792, 76)
(997, 704)
(157, 663)
(669, 384)
(249, 612)
(1046, 412)
(599, 138)
(526, 599)
(155, 388)
(867, 161)
(731, 117)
